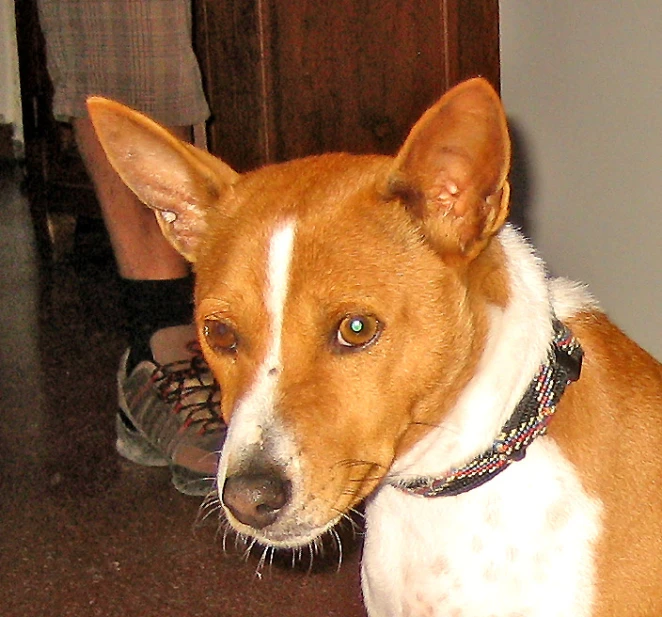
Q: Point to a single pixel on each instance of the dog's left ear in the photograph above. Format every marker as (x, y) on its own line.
(452, 170)
(178, 181)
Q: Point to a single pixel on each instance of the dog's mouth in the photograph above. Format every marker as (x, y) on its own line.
(287, 534)
(290, 525)
(276, 511)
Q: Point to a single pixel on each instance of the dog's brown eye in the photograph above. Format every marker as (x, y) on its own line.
(356, 331)
(219, 335)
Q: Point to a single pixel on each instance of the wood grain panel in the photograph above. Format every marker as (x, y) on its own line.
(290, 78)
(351, 74)
(227, 40)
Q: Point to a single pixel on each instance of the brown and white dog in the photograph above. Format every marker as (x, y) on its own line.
(379, 333)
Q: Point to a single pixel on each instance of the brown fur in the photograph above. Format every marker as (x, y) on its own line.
(609, 424)
(377, 228)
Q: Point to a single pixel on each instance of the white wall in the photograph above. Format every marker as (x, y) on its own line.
(10, 92)
(582, 83)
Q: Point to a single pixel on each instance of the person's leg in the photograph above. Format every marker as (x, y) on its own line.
(156, 284)
(141, 251)
(169, 411)
(168, 401)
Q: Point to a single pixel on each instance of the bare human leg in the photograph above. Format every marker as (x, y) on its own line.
(140, 249)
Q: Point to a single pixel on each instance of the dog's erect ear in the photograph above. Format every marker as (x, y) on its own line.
(453, 167)
(178, 181)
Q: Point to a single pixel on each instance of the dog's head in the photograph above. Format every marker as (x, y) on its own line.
(340, 300)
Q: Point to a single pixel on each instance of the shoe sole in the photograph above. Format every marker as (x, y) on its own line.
(191, 483)
(131, 445)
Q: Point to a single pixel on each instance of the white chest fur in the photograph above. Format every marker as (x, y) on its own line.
(520, 545)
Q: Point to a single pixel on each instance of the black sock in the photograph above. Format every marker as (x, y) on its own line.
(150, 305)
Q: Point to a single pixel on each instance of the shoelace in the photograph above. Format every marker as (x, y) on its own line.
(190, 388)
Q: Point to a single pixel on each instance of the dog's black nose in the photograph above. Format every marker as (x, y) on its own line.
(256, 499)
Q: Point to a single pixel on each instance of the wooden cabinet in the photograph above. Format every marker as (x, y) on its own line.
(288, 78)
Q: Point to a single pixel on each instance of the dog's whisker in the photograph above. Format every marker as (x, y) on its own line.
(354, 526)
(224, 545)
(365, 479)
(445, 426)
(338, 544)
(353, 463)
(319, 547)
(249, 549)
(208, 507)
(311, 555)
(239, 538)
(261, 561)
(357, 463)
(355, 512)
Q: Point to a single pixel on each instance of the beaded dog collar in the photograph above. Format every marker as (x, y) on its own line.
(530, 420)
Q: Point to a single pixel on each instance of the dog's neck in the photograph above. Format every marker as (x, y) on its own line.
(528, 422)
(518, 342)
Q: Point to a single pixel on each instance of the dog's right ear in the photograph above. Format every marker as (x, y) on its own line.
(175, 179)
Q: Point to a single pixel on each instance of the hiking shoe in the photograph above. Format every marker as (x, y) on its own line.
(169, 412)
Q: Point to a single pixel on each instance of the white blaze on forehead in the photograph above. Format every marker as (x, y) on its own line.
(255, 410)
(278, 274)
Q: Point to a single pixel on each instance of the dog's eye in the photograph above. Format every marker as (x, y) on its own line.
(219, 335)
(357, 331)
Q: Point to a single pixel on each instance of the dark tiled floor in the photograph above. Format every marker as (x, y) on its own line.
(81, 531)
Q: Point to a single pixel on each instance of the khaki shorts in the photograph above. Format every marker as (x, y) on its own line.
(137, 52)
